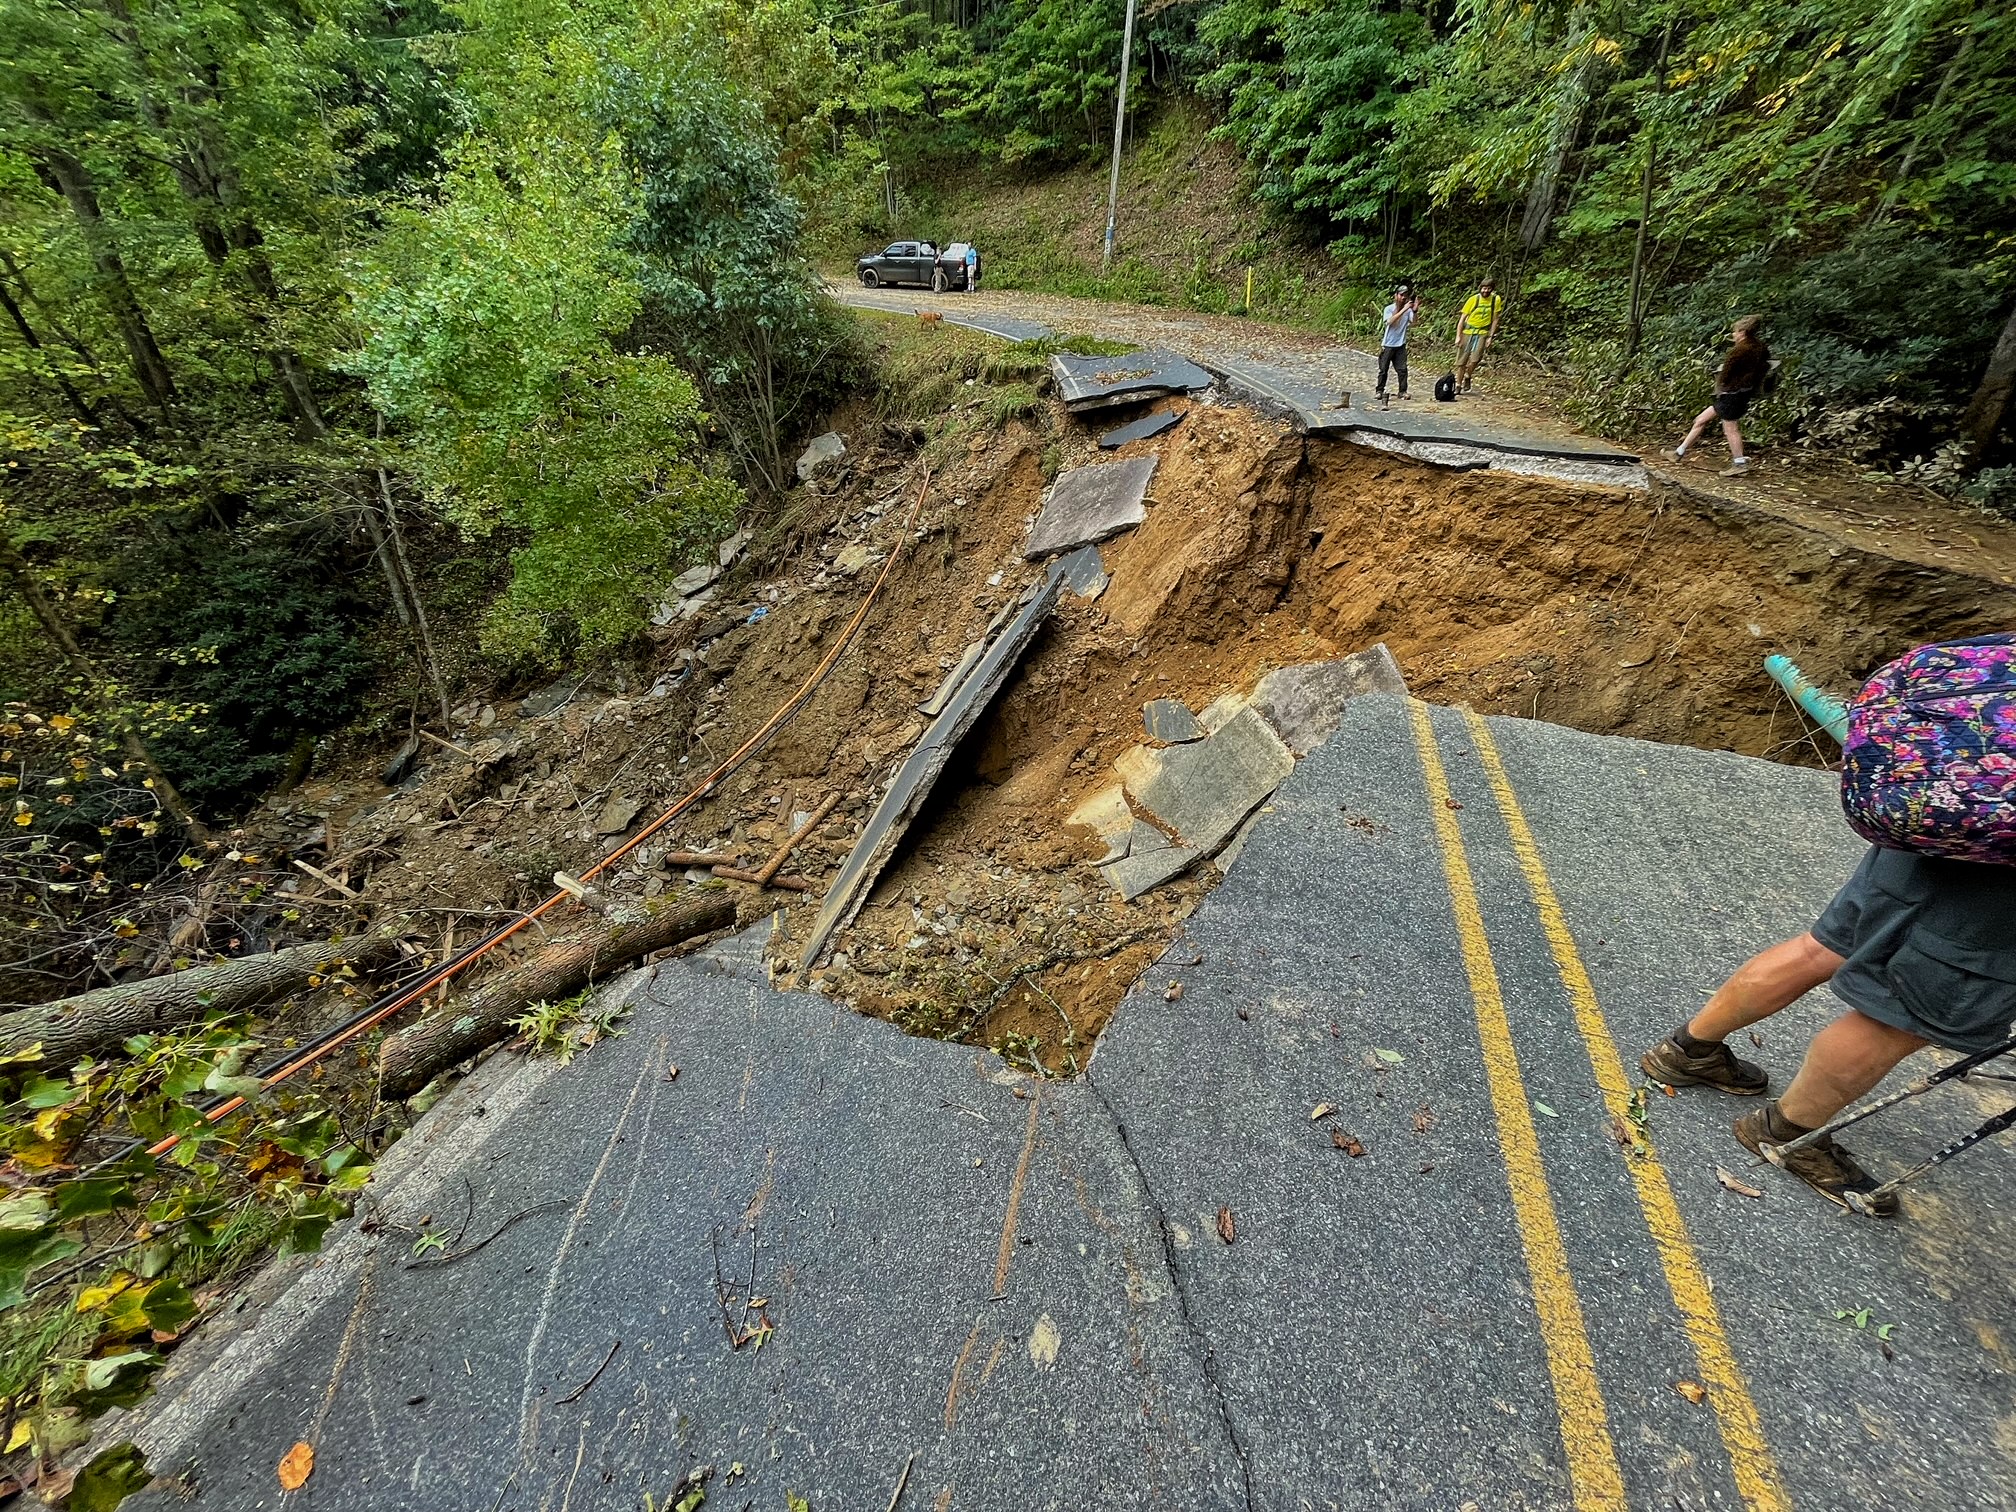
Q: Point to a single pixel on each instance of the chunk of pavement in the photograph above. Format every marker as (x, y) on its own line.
(731, 548)
(1148, 863)
(1093, 383)
(824, 449)
(618, 814)
(1085, 572)
(1107, 814)
(693, 579)
(933, 706)
(1170, 721)
(913, 781)
(1205, 790)
(1214, 715)
(551, 699)
(1091, 504)
(1305, 703)
(1140, 430)
(401, 765)
(852, 559)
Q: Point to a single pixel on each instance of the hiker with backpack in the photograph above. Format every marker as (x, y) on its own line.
(1476, 329)
(1920, 943)
(1738, 382)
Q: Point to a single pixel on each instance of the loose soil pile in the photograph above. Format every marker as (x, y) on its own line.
(1635, 614)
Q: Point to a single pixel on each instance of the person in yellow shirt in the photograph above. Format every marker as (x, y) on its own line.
(1476, 327)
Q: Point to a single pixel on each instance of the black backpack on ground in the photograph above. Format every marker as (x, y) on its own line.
(1445, 389)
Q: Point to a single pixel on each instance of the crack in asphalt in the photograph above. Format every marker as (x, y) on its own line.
(1177, 1284)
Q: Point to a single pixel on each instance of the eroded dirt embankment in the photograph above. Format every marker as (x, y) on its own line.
(1636, 614)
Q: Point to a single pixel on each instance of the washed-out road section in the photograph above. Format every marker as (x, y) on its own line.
(1167, 1284)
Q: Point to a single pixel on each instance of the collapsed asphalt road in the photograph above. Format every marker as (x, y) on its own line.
(1337, 1219)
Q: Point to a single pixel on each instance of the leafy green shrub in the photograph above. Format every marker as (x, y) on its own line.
(258, 637)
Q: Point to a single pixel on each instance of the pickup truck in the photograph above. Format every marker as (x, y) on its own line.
(914, 262)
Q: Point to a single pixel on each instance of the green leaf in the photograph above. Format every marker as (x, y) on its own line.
(117, 1380)
(169, 1306)
(247, 1087)
(93, 1195)
(46, 1092)
(25, 1212)
(1883, 1330)
(21, 1255)
(109, 1479)
(1542, 1107)
(1391, 1057)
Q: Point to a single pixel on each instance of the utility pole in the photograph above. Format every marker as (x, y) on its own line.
(1119, 132)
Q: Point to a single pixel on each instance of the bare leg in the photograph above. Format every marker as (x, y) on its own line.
(1735, 439)
(1700, 424)
(1767, 982)
(1844, 1061)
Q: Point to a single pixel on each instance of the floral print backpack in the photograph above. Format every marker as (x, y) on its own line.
(1929, 764)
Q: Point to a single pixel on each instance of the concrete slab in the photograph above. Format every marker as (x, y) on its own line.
(1090, 504)
(1305, 703)
(1170, 721)
(914, 779)
(1085, 572)
(823, 451)
(1093, 383)
(1214, 714)
(1150, 861)
(1205, 789)
(1141, 430)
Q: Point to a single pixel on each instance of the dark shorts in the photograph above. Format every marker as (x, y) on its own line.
(1930, 946)
(1732, 406)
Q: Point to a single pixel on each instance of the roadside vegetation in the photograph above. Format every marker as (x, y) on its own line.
(1635, 178)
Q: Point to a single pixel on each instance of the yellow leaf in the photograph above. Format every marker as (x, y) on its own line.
(296, 1465)
(1322, 1109)
(60, 722)
(1694, 1391)
(22, 1436)
(24, 817)
(95, 1297)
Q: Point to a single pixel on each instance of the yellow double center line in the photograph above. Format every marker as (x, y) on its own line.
(1591, 1453)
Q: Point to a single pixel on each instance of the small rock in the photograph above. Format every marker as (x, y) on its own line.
(400, 767)
(824, 449)
(618, 814)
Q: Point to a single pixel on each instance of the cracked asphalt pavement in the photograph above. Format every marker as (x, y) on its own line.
(1175, 1283)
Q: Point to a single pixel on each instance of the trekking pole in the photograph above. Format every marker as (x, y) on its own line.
(1776, 1153)
(1865, 1202)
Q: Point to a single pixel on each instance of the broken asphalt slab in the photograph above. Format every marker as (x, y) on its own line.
(1170, 721)
(1140, 430)
(1205, 789)
(912, 783)
(1094, 383)
(1306, 702)
(1090, 504)
(1368, 1339)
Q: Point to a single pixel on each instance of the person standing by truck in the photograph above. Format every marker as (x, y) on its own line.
(972, 269)
(1476, 329)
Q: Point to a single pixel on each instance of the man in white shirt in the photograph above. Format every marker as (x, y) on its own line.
(1398, 316)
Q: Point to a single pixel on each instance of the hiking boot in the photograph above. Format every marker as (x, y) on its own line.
(1715, 1065)
(1826, 1167)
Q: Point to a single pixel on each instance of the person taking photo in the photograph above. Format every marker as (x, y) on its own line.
(1395, 320)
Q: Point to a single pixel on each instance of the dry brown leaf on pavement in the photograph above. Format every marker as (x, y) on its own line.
(1227, 1229)
(1348, 1143)
(1172, 992)
(1424, 1119)
(296, 1465)
(1694, 1391)
(1739, 1187)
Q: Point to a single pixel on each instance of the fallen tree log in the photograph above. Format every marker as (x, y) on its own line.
(476, 1020)
(99, 1021)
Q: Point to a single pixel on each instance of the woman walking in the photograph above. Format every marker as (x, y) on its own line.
(1737, 384)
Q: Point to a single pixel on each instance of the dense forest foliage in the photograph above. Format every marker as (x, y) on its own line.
(329, 321)
(1639, 175)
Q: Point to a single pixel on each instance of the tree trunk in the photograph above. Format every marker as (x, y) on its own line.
(1546, 187)
(1991, 400)
(98, 1022)
(1927, 122)
(404, 570)
(16, 566)
(1636, 329)
(78, 406)
(69, 177)
(479, 1019)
